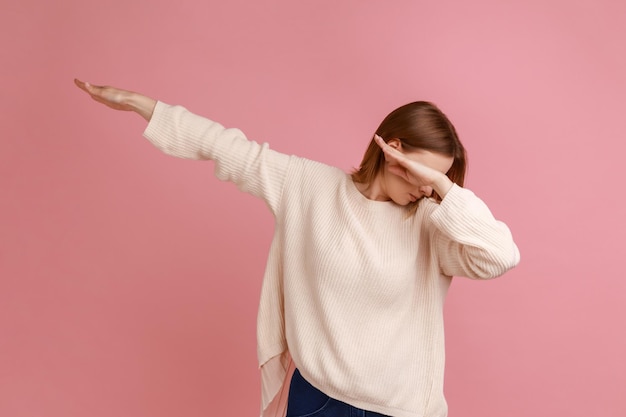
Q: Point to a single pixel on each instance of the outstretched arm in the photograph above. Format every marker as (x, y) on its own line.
(254, 168)
(119, 99)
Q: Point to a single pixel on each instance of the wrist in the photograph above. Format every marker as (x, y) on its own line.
(442, 185)
(142, 105)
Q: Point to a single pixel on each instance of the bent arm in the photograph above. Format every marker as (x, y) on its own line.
(469, 241)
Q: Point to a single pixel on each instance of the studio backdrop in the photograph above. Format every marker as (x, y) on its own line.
(129, 280)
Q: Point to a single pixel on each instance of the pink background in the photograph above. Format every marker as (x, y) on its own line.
(129, 280)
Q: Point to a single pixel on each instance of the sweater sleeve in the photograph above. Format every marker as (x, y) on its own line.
(469, 241)
(253, 167)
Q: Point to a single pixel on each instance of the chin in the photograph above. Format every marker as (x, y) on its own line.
(404, 202)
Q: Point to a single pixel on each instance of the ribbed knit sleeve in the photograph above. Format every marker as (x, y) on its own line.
(469, 241)
(253, 167)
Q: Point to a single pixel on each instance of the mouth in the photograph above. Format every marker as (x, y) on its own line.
(412, 198)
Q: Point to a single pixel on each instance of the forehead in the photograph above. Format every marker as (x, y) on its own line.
(437, 161)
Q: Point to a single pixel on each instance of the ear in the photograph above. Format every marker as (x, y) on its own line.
(395, 143)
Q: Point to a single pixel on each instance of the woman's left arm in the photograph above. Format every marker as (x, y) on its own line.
(468, 240)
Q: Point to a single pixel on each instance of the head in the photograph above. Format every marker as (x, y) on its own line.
(421, 130)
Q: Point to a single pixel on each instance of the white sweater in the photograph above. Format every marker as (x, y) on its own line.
(354, 288)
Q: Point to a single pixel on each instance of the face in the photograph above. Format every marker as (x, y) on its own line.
(402, 192)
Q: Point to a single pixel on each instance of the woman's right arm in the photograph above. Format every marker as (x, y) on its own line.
(253, 167)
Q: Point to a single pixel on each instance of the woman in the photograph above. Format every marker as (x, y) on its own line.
(359, 265)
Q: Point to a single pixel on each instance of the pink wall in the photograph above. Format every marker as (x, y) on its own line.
(129, 280)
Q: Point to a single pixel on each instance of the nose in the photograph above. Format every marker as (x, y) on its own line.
(426, 190)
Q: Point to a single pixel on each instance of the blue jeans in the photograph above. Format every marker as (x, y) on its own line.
(307, 401)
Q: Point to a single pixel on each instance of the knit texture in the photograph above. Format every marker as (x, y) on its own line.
(353, 291)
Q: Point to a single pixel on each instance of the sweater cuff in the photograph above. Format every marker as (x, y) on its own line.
(461, 212)
(180, 133)
(155, 125)
(455, 198)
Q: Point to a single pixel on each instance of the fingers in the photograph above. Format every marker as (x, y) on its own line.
(381, 142)
(109, 96)
(86, 87)
(80, 84)
(386, 148)
(396, 158)
(391, 152)
(90, 88)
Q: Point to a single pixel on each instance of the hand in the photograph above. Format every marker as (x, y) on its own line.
(417, 173)
(119, 99)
